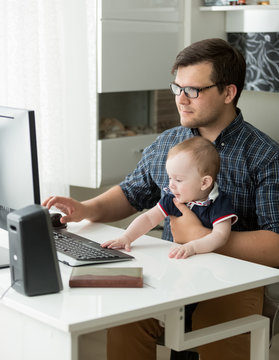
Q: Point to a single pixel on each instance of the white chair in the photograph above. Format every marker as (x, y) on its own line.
(270, 310)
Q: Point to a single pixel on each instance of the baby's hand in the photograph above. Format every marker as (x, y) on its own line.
(120, 243)
(182, 252)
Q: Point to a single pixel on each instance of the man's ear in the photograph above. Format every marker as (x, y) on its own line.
(206, 182)
(231, 91)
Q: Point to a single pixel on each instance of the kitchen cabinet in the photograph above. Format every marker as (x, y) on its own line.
(127, 48)
(137, 42)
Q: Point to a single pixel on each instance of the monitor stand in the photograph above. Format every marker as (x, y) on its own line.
(4, 211)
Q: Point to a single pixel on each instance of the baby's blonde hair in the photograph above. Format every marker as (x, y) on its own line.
(203, 153)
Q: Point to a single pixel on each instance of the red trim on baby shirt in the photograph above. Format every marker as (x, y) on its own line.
(163, 210)
(226, 217)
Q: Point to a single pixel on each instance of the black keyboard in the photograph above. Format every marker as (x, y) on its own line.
(82, 249)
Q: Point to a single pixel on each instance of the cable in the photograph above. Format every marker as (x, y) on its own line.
(5, 292)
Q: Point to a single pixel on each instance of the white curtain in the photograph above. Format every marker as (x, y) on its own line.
(33, 75)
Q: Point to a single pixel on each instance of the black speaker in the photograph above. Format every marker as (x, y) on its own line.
(33, 259)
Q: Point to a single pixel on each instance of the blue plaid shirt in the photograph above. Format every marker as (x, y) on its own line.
(249, 174)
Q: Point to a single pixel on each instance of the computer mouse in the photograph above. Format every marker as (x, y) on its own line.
(55, 220)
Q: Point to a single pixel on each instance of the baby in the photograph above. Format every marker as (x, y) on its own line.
(192, 167)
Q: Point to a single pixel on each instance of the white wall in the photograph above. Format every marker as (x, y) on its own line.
(259, 108)
(262, 110)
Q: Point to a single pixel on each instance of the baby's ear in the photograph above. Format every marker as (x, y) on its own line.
(206, 182)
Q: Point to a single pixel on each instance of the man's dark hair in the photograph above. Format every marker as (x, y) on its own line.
(228, 64)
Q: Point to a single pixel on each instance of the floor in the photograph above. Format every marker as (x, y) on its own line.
(98, 341)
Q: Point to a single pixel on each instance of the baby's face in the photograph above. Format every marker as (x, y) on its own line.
(184, 179)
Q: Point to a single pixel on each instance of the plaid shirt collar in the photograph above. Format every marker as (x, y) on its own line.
(234, 127)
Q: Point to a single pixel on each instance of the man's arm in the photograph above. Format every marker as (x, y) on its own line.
(261, 246)
(112, 205)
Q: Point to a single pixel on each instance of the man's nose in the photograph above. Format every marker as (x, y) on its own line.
(183, 99)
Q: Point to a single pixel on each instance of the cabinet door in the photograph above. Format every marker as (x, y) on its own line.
(118, 157)
(151, 10)
(136, 55)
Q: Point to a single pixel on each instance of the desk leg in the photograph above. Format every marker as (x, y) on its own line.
(22, 337)
(259, 346)
(257, 325)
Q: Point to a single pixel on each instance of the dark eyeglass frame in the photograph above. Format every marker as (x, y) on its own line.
(198, 90)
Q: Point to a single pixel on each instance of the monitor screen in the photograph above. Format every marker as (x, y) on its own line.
(19, 179)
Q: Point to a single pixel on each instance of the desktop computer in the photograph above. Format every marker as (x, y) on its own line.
(33, 259)
(19, 187)
(19, 183)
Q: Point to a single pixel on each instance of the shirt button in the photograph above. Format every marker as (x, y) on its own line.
(222, 144)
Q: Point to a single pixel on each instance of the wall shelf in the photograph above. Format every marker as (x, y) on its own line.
(239, 7)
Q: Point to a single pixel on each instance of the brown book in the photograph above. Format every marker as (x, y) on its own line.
(93, 276)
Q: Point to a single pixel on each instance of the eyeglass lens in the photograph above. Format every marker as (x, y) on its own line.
(190, 92)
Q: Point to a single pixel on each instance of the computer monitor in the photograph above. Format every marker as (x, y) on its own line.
(19, 175)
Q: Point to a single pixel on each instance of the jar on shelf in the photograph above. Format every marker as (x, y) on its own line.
(238, 2)
(216, 2)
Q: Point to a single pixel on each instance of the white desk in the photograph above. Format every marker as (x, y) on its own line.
(47, 327)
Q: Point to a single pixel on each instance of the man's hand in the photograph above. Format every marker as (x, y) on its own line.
(187, 227)
(74, 210)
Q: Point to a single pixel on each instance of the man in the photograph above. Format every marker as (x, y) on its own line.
(209, 78)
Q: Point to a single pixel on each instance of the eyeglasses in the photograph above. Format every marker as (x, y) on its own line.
(189, 91)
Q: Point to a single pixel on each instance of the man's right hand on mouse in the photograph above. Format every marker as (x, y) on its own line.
(73, 209)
